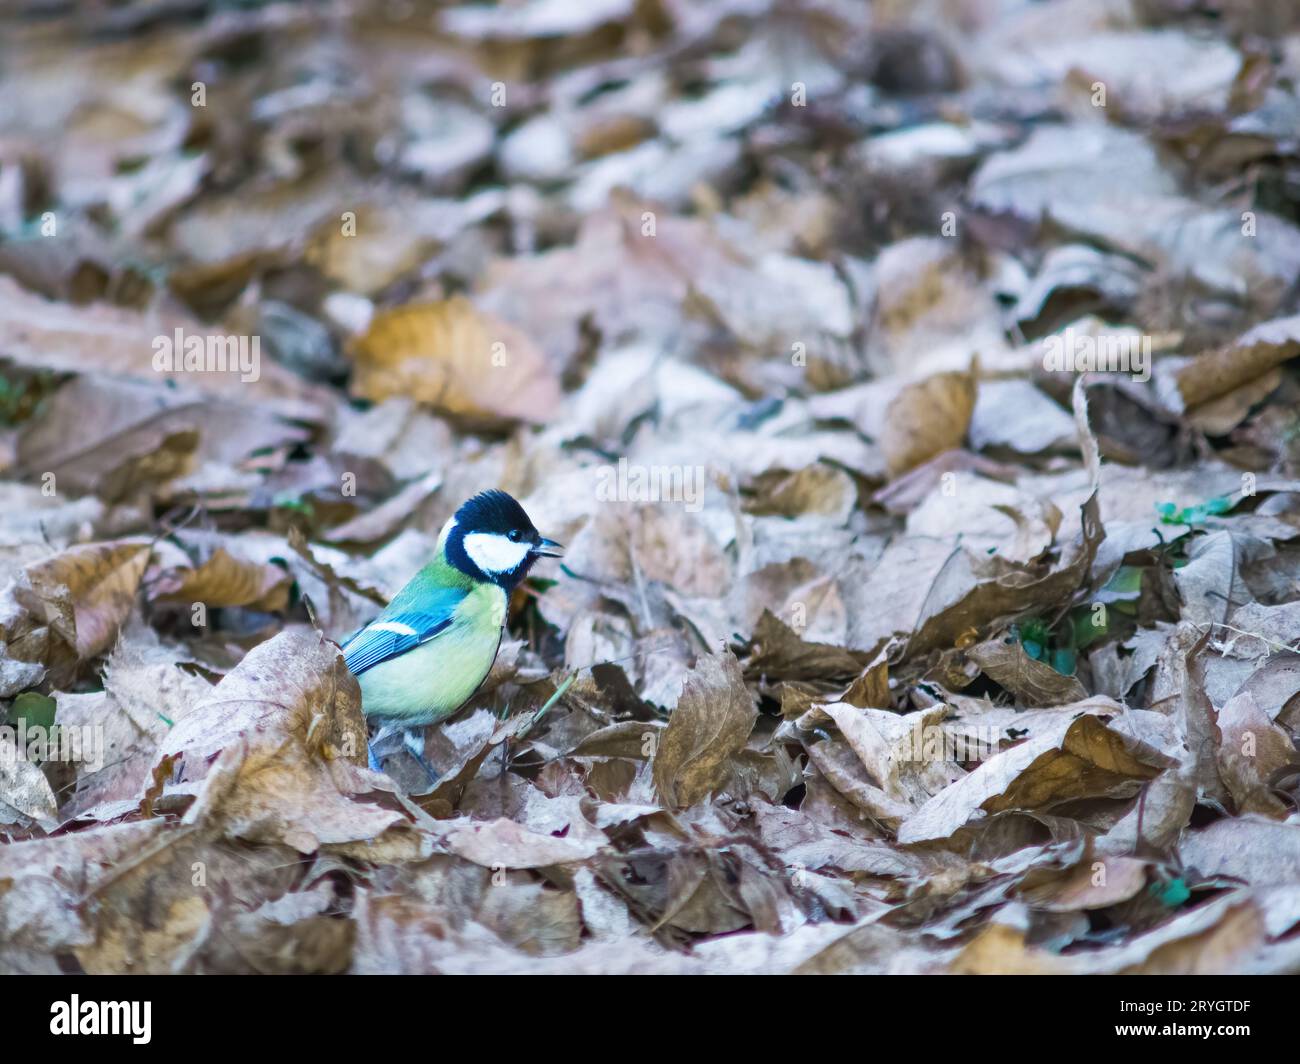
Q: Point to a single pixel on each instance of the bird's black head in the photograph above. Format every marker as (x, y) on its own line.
(491, 538)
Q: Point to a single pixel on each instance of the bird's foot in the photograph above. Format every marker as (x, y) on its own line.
(386, 742)
(413, 740)
(381, 746)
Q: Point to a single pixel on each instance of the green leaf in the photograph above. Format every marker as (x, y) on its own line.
(1170, 514)
(1127, 582)
(1171, 894)
(1035, 628)
(36, 709)
(1085, 628)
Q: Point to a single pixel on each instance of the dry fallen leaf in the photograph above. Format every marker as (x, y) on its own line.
(84, 594)
(927, 418)
(1090, 884)
(503, 843)
(708, 728)
(791, 384)
(458, 359)
(224, 580)
(1080, 758)
(274, 745)
(1211, 939)
(24, 790)
(1034, 682)
(1250, 356)
(1252, 753)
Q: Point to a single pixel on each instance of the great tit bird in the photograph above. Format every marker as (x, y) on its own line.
(427, 653)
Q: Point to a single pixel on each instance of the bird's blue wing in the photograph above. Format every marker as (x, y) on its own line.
(401, 628)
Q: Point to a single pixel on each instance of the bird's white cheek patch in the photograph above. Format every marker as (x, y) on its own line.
(493, 553)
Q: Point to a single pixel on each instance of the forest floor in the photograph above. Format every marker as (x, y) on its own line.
(910, 384)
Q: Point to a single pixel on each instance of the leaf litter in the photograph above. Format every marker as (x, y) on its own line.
(913, 385)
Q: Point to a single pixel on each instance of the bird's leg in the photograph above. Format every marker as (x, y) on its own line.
(413, 740)
(383, 733)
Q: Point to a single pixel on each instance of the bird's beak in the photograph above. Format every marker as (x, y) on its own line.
(548, 548)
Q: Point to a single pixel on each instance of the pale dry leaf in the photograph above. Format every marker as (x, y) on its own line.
(224, 579)
(458, 359)
(24, 790)
(1089, 884)
(713, 718)
(92, 586)
(1251, 355)
(1261, 851)
(1220, 937)
(503, 843)
(1252, 753)
(927, 418)
(1033, 682)
(67, 338)
(273, 749)
(1080, 758)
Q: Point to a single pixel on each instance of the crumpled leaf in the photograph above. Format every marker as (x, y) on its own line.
(1081, 758)
(458, 359)
(1260, 851)
(85, 593)
(505, 844)
(926, 419)
(712, 720)
(1252, 752)
(24, 790)
(273, 745)
(1252, 355)
(1210, 939)
(1089, 884)
(1034, 682)
(969, 595)
(224, 580)
(764, 313)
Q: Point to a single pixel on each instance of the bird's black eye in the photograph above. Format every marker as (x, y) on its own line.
(514, 535)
